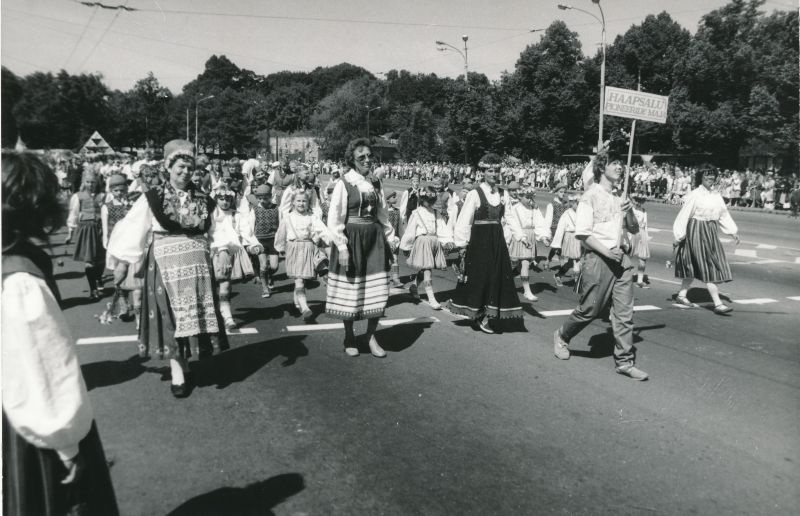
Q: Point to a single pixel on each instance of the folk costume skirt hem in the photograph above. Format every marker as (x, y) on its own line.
(571, 246)
(701, 255)
(489, 287)
(89, 243)
(518, 251)
(427, 254)
(362, 290)
(300, 259)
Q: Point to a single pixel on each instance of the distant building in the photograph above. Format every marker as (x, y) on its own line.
(301, 146)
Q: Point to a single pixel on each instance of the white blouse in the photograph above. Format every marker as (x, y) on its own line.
(337, 213)
(472, 202)
(424, 222)
(230, 230)
(527, 218)
(44, 395)
(566, 224)
(286, 201)
(702, 204)
(295, 226)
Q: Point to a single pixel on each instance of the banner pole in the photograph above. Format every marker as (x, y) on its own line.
(630, 145)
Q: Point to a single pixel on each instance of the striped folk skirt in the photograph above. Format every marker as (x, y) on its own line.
(700, 255)
(300, 259)
(362, 290)
(518, 251)
(571, 246)
(179, 301)
(489, 281)
(427, 254)
(640, 243)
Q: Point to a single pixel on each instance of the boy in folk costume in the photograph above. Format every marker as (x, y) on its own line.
(230, 241)
(113, 210)
(262, 219)
(84, 221)
(527, 225)
(427, 239)
(409, 200)
(299, 232)
(564, 240)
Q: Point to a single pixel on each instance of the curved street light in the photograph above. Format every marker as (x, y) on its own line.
(602, 21)
(442, 46)
(196, 124)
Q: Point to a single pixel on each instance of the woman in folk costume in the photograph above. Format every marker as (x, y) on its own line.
(53, 459)
(565, 241)
(699, 252)
(488, 290)
(180, 306)
(262, 219)
(527, 225)
(299, 232)
(84, 223)
(358, 282)
(231, 241)
(640, 242)
(113, 210)
(427, 239)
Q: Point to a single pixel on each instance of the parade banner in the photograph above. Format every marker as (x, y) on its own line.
(636, 104)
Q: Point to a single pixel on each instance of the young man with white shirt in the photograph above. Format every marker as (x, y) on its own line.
(606, 270)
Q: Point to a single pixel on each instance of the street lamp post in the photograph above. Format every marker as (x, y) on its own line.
(444, 47)
(602, 21)
(370, 110)
(196, 124)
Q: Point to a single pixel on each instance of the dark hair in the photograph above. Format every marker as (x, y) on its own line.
(349, 153)
(705, 168)
(428, 195)
(603, 159)
(31, 208)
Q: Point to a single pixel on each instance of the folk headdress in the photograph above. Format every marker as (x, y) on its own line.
(490, 160)
(175, 149)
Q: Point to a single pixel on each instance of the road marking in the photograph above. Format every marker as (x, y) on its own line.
(654, 230)
(797, 260)
(794, 298)
(726, 240)
(756, 301)
(766, 246)
(336, 326)
(645, 308)
(115, 339)
(750, 253)
(665, 280)
(557, 313)
(759, 262)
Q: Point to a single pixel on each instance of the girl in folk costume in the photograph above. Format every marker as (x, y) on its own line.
(445, 204)
(699, 252)
(230, 242)
(527, 225)
(488, 290)
(427, 239)
(553, 214)
(180, 304)
(113, 210)
(640, 242)
(262, 220)
(565, 241)
(358, 282)
(298, 233)
(409, 200)
(84, 221)
(393, 215)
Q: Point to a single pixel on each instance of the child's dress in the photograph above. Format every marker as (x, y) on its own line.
(640, 241)
(424, 237)
(532, 225)
(565, 236)
(229, 234)
(298, 234)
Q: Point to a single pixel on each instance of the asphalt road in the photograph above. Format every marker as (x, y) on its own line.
(459, 422)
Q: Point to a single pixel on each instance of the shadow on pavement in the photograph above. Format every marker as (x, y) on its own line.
(113, 372)
(397, 338)
(701, 295)
(72, 302)
(541, 287)
(600, 346)
(237, 364)
(67, 275)
(253, 500)
(265, 312)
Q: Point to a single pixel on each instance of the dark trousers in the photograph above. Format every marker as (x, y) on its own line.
(603, 281)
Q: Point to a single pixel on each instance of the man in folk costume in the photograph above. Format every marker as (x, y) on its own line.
(488, 290)
(606, 270)
(180, 307)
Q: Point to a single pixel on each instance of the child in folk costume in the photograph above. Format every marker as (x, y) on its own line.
(112, 211)
(427, 239)
(640, 241)
(527, 225)
(230, 243)
(565, 241)
(394, 219)
(299, 231)
(84, 220)
(262, 219)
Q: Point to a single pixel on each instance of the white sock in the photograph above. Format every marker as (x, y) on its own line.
(177, 372)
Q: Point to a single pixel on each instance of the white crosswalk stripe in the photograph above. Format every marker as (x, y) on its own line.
(114, 339)
(756, 301)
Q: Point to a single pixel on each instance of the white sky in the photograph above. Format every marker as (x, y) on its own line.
(269, 35)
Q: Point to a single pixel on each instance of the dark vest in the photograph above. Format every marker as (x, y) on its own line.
(413, 202)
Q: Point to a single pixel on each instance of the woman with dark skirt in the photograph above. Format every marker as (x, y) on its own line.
(358, 281)
(83, 222)
(180, 309)
(488, 290)
(53, 460)
(699, 253)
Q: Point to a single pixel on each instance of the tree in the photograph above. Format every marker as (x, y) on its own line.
(11, 91)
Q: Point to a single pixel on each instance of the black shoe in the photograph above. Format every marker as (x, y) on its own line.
(180, 391)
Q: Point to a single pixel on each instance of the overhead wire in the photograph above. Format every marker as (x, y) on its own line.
(102, 36)
(80, 38)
